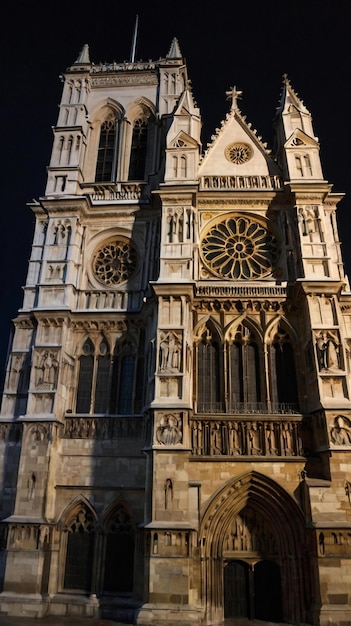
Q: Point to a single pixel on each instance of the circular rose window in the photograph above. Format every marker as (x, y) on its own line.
(115, 262)
(239, 248)
(238, 153)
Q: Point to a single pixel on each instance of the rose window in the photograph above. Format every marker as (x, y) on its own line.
(239, 248)
(238, 153)
(115, 262)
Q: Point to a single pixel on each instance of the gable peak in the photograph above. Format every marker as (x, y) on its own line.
(234, 95)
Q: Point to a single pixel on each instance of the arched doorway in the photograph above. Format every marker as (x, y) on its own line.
(253, 537)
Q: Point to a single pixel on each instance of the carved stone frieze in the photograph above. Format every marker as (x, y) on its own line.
(100, 325)
(335, 542)
(240, 305)
(101, 428)
(122, 80)
(246, 437)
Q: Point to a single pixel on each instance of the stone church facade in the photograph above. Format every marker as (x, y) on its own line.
(176, 418)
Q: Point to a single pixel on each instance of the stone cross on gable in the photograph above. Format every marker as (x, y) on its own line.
(234, 95)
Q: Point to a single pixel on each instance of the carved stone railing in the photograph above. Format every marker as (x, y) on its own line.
(105, 192)
(117, 300)
(241, 182)
(88, 427)
(246, 437)
(243, 408)
(250, 291)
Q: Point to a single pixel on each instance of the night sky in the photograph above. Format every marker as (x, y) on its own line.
(247, 44)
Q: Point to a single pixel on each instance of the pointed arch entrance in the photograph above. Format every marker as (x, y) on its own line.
(255, 561)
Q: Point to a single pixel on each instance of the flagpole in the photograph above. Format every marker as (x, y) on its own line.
(133, 49)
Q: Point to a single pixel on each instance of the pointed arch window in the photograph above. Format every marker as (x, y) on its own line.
(283, 374)
(122, 388)
(93, 381)
(107, 153)
(244, 372)
(138, 150)
(209, 372)
(78, 569)
(119, 552)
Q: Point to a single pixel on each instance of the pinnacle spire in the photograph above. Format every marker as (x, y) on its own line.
(174, 51)
(83, 56)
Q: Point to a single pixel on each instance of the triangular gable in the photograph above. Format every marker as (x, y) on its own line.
(237, 150)
(299, 139)
(182, 141)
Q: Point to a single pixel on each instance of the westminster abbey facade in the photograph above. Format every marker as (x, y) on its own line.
(175, 430)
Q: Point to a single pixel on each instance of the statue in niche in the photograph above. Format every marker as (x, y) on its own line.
(340, 433)
(47, 370)
(170, 352)
(216, 439)
(168, 489)
(235, 442)
(197, 438)
(328, 352)
(168, 432)
(287, 439)
(31, 485)
(255, 438)
(271, 440)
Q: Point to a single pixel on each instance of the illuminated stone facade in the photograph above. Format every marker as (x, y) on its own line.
(176, 418)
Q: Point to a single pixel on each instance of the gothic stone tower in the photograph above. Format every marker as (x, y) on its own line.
(176, 419)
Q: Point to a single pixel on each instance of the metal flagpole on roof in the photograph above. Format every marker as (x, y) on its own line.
(133, 49)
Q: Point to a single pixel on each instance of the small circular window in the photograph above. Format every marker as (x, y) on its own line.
(238, 153)
(115, 262)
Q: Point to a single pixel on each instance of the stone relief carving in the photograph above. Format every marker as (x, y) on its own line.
(170, 357)
(169, 431)
(328, 350)
(247, 438)
(249, 533)
(46, 369)
(340, 432)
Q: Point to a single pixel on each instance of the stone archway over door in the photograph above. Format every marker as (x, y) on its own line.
(254, 541)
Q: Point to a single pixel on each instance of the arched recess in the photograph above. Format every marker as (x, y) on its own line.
(119, 533)
(78, 525)
(272, 529)
(106, 116)
(209, 366)
(282, 346)
(123, 376)
(138, 141)
(243, 346)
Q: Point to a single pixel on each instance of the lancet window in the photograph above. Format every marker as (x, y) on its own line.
(123, 374)
(119, 532)
(283, 372)
(107, 151)
(138, 150)
(80, 539)
(231, 376)
(106, 380)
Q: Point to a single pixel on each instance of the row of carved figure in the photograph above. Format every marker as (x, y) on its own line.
(263, 438)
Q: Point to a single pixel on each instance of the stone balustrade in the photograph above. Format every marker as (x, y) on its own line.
(116, 300)
(241, 182)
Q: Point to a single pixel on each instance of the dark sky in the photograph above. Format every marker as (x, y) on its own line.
(249, 44)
